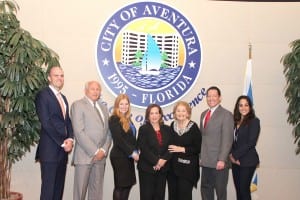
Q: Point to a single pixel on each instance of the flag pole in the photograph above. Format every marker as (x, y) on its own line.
(248, 75)
(250, 50)
(248, 92)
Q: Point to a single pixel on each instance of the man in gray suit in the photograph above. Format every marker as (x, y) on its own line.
(92, 142)
(216, 125)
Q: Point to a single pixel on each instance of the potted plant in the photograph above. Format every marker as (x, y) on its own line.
(291, 63)
(23, 64)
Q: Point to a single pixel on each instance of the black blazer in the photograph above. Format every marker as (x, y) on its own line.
(150, 151)
(54, 127)
(243, 148)
(123, 143)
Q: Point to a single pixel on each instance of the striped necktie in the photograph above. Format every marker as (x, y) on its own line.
(61, 103)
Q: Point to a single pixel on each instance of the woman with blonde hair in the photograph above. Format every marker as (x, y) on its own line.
(185, 148)
(124, 151)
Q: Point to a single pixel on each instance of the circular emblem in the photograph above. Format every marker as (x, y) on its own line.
(149, 51)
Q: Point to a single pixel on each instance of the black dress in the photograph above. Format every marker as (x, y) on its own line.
(184, 166)
(124, 144)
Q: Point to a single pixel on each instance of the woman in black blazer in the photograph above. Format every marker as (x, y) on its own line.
(185, 148)
(153, 141)
(243, 155)
(124, 151)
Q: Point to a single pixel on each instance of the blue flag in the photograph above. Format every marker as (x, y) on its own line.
(248, 91)
(248, 80)
(253, 186)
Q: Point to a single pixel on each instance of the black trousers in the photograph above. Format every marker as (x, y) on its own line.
(179, 187)
(214, 180)
(152, 186)
(242, 177)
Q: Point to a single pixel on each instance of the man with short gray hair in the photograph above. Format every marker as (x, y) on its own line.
(92, 143)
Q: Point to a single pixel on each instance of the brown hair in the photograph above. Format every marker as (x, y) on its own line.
(148, 110)
(124, 119)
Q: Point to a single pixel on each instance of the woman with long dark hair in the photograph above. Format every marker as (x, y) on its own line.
(244, 156)
(153, 140)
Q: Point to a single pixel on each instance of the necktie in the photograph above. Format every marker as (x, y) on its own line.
(158, 136)
(98, 113)
(61, 103)
(207, 118)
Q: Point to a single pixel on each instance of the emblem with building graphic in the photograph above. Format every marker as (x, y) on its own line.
(149, 51)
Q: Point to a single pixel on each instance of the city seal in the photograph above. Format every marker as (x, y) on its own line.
(149, 51)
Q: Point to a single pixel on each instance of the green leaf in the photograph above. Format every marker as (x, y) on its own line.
(291, 71)
(23, 64)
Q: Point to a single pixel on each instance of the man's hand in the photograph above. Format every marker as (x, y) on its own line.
(220, 165)
(99, 156)
(68, 145)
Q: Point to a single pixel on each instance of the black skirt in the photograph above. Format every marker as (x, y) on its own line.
(124, 171)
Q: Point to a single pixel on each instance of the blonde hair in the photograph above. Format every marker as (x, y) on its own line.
(184, 104)
(124, 118)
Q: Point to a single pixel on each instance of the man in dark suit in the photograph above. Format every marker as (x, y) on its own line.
(216, 125)
(93, 139)
(56, 137)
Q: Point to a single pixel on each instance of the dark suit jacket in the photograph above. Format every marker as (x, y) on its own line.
(123, 143)
(54, 128)
(243, 149)
(151, 152)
